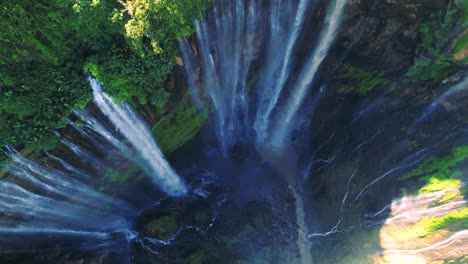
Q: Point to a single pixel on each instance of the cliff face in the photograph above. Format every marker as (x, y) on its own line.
(396, 92)
(389, 37)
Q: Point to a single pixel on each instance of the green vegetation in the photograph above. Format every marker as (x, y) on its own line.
(433, 63)
(41, 80)
(464, 7)
(452, 221)
(138, 67)
(163, 227)
(361, 81)
(440, 168)
(449, 196)
(461, 44)
(462, 260)
(455, 220)
(48, 46)
(122, 175)
(435, 185)
(439, 173)
(176, 128)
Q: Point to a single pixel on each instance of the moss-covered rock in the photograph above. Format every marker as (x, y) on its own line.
(178, 127)
(162, 227)
(361, 81)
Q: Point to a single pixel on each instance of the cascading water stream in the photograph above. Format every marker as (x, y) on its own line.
(44, 200)
(227, 47)
(256, 202)
(127, 122)
(225, 65)
(285, 121)
(270, 89)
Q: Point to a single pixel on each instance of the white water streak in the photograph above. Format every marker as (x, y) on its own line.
(134, 130)
(307, 76)
(272, 91)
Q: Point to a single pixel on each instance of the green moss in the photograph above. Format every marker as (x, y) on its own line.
(119, 176)
(177, 128)
(461, 44)
(440, 168)
(453, 221)
(433, 63)
(462, 260)
(448, 196)
(463, 5)
(425, 69)
(162, 227)
(362, 82)
(456, 220)
(434, 185)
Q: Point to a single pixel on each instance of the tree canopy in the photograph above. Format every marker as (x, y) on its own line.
(48, 46)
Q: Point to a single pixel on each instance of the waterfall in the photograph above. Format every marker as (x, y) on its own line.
(460, 89)
(127, 122)
(228, 44)
(40, 199)
(227, 47)
(226, 63)
(307, 75)
(270, 90)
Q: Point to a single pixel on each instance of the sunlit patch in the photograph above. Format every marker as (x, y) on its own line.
(426, 228)
(436, 184)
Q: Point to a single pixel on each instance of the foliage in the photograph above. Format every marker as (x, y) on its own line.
(439, 173)
(153, 26)
(463, 5)
(455, 220)
(124, 75)
(47, 44)
(449, 196)
(175, 129)
(140, 67)
(21, 37)
(461, 44)
(440, 168)
(4, 160)
(37, 102)
(361, 81)
(41, 80)
(432, 62)
(435, 185)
